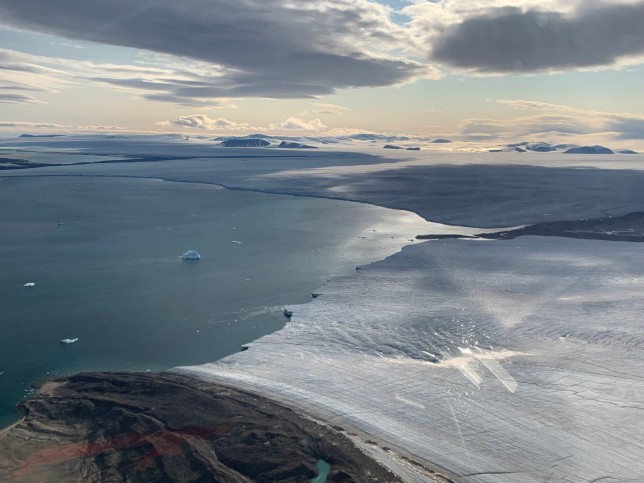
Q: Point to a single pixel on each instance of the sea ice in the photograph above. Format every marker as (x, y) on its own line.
(68, 341)
(30, 284)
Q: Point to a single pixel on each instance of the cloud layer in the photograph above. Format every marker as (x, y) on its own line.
(201, 121)
(553, 121)
(511, 39)
(265, 48)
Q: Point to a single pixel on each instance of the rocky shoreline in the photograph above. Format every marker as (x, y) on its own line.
(629, 228)
(149, 427)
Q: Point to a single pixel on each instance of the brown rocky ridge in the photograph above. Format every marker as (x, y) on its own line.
(149, 427)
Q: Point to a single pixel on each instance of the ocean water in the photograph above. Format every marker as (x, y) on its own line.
(104, 256)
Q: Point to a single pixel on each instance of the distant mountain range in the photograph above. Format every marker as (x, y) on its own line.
(542, 147)
(409, 143)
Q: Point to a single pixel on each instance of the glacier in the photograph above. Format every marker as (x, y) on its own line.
(511, 361)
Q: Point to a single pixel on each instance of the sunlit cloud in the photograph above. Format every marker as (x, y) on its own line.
(322, 108)
(296, 124)
(200, 121)
(203, 122)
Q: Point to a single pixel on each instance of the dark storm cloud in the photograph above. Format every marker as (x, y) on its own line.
(267, 47)
(509, 39)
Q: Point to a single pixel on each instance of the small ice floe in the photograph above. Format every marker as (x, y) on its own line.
(30, 284)
(236, 242)
(191, 255)
(68, 341)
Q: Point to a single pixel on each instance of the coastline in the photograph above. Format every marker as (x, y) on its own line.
(572, 337)
(401, 462)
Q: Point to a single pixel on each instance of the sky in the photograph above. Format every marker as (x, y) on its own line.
(471, 70)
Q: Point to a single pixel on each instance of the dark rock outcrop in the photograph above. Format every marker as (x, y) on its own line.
(284, 144)
(627, 228)
(145, 427)
(41, 135)
(540, 147)
(589, 150)
(245, 143)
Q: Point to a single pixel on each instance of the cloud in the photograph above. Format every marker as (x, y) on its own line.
(265, 48)
(556, 120)
(22, 79)
(627, 128)
(296, 124)
(322, 108)
(12, 98)
(49, 126)
(200, 121)
(31, 124)
(167, 80)
(511, 39)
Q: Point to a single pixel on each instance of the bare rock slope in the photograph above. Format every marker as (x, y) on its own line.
(140, 427)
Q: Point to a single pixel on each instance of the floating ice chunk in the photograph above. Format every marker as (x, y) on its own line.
(191, 255)
(68, 341)
(236, 242)
(30, 284)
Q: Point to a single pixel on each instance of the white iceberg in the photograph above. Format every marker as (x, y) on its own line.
(68, 341)
(191, 255)
(30, 284)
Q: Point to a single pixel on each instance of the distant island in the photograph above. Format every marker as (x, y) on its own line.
(590, 150)
(291, 145)
(245, 143)
(544, 147)
(41, 136)
(392, 146)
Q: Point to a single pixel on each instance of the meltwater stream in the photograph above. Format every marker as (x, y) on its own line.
(103, 255)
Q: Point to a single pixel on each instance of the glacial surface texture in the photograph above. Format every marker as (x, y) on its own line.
(514, 360)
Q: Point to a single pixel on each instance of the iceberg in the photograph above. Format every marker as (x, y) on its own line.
(68, 341)
(191, 255)
(30, 284)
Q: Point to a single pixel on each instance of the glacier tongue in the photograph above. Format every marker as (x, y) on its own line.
(511, 361)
